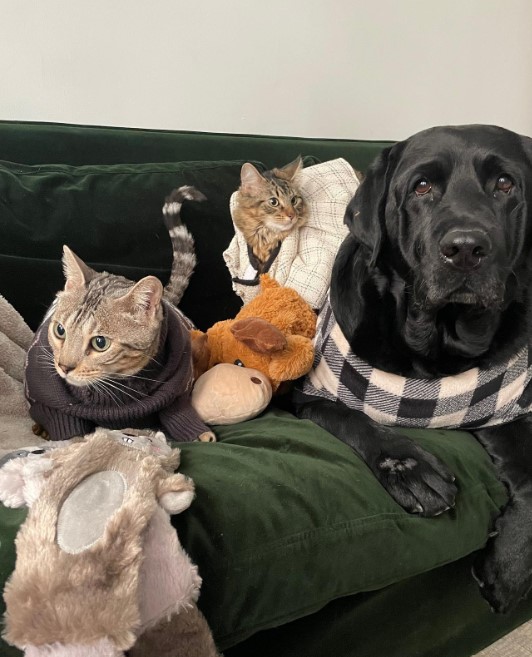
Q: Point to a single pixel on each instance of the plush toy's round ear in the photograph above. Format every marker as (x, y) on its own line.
(258, 335)
(227, 394)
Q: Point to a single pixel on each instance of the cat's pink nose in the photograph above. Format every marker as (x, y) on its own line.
(65, 368)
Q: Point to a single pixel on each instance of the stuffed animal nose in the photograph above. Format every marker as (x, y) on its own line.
(465, 249)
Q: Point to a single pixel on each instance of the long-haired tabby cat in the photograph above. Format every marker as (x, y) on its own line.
(115, 353)
(268, 207)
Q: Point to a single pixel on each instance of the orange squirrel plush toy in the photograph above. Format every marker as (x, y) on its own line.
(271, 338)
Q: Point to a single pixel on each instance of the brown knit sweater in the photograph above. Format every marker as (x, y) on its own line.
(158, 396)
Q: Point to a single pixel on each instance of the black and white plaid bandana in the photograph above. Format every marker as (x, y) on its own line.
(473, 399)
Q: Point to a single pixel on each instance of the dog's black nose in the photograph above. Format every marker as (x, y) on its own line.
(465, 249)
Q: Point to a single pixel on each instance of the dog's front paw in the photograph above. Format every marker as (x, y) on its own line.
(503, 571)
(416, 479)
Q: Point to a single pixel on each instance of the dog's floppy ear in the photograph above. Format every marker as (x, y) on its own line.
(364, 215)
(527, 145)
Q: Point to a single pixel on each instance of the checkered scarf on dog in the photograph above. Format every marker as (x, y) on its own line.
(473, 399)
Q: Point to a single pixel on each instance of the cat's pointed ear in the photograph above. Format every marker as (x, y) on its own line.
(250, 178)
(77, 273)
(290, 170)
(144, 297)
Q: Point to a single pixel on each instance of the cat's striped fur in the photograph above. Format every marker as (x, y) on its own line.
(184, 255)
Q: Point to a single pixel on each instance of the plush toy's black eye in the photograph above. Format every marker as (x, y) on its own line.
(239, 362)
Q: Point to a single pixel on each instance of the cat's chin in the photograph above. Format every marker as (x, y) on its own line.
(279, 229)
(77, 383)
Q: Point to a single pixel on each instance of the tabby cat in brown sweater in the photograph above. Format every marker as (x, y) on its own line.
(115, 353)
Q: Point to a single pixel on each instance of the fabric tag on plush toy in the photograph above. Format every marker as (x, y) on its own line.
(306, 257)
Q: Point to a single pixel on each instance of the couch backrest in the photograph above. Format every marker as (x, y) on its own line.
(51, 143)
(100, 190)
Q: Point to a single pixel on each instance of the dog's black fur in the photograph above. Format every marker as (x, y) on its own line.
(434, 278)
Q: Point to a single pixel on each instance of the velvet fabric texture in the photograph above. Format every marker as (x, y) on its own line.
(111, 216)
(286, 519)
(46, 143)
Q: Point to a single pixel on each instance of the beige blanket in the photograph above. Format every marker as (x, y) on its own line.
(15, 422)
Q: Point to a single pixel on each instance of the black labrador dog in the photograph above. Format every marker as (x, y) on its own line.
(434, 279)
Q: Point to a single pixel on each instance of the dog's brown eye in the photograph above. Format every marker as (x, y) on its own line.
(505, 183)
(423, 186)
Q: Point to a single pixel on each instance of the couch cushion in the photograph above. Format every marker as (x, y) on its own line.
(286, 518)
(110, 215)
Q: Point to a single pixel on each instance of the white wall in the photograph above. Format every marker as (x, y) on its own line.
(379, 69)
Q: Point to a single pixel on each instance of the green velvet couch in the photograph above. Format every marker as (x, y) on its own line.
(301, 551)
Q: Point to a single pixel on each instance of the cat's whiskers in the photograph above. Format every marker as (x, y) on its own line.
(154, 360)
(112, 382)
(135, 376)
(46, 359)
(100, 387)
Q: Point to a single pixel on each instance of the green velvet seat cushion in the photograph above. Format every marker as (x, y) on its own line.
(435, 614)
(286, 519)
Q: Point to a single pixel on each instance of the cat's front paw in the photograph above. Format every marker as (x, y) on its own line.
(40, 431)
(207, 437)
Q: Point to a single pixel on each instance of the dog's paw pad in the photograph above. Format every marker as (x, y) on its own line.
(397, 465)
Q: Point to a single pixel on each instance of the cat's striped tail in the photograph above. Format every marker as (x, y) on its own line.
(183, 252)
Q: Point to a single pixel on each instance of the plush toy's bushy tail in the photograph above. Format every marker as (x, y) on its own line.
(184, 255)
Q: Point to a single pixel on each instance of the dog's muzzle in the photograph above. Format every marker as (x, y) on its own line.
(465, 250)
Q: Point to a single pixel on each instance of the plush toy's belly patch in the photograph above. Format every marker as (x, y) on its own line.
(84, 513)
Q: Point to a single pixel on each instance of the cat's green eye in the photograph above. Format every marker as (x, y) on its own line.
(274, 202)
(295, 200)
(59, 331)
(100, 343)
